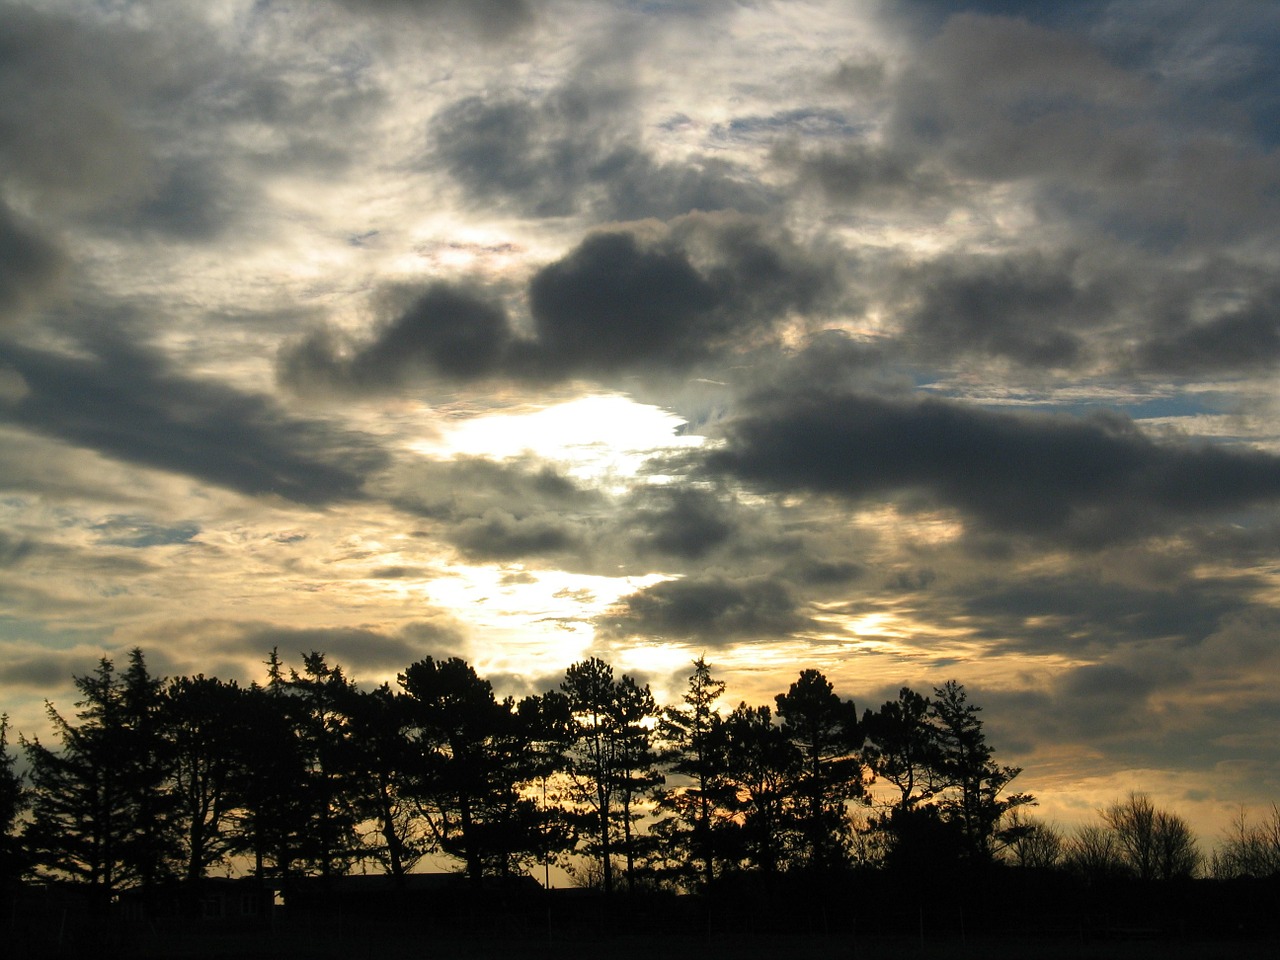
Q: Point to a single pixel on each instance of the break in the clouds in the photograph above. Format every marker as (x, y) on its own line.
(908, 340)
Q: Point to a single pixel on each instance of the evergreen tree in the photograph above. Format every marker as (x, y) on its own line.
(203, 721)
(633, 713)
(101, 813)
(826, 735)
(974, 801)
(271, 814)
(902, 748)
(379, 757)
(475, 758)
(694, 751)
(327, 842)
(592, 761)
(761, 766)
(14, 799)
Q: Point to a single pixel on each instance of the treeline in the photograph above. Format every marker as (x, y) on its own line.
(307, 774)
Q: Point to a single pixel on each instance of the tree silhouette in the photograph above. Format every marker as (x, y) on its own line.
(272, 813)
(474, 758)
(1249, 849)
(100, 812)
(610, 762)
(974, 800)
(202, 723)
(1153, 844)
(902, 747)
(327, 840)
(14, 800)
(825, 732)
(693, 741)
(761, 768)
(378, 756)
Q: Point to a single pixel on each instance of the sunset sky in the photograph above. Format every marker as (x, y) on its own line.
(906, 340)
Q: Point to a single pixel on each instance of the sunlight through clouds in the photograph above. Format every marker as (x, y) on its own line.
(907, 341)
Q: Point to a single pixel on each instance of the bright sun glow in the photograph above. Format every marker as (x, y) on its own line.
(595, 437)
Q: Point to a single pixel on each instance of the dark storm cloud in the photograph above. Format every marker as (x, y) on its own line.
(1090, 481)
(30, 266)
(708, 609)
(615, 302)
(1033, 308)
(648, 298)
(445, 330)
(682, 522)
(1087, 614)
(1243, 337)
(570, 152)
(505, 535)
(707, 288)
(126, 404)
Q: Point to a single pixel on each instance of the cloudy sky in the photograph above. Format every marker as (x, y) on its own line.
(907, 340)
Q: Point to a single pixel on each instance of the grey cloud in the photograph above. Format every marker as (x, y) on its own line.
(1104, 139)
(712, 285)
(1056, 12)
(1242, 337)
(139, 532)
(64, 129)
(402, 573)
(1003, 98)
(126, 404)
(188, 199)
(13, 550)
(1089, 481)
(708, 609)
(682, 522)
(866, 175)
(505, 535)
(470, 486)
(356, 648)
(1033, 308)
(45, 671)
(30, 266)
(570, 152)
(445, 330)
(493, 19)
(500, 511)
(643, 299)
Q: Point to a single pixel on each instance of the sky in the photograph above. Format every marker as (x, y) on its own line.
(910, 341)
